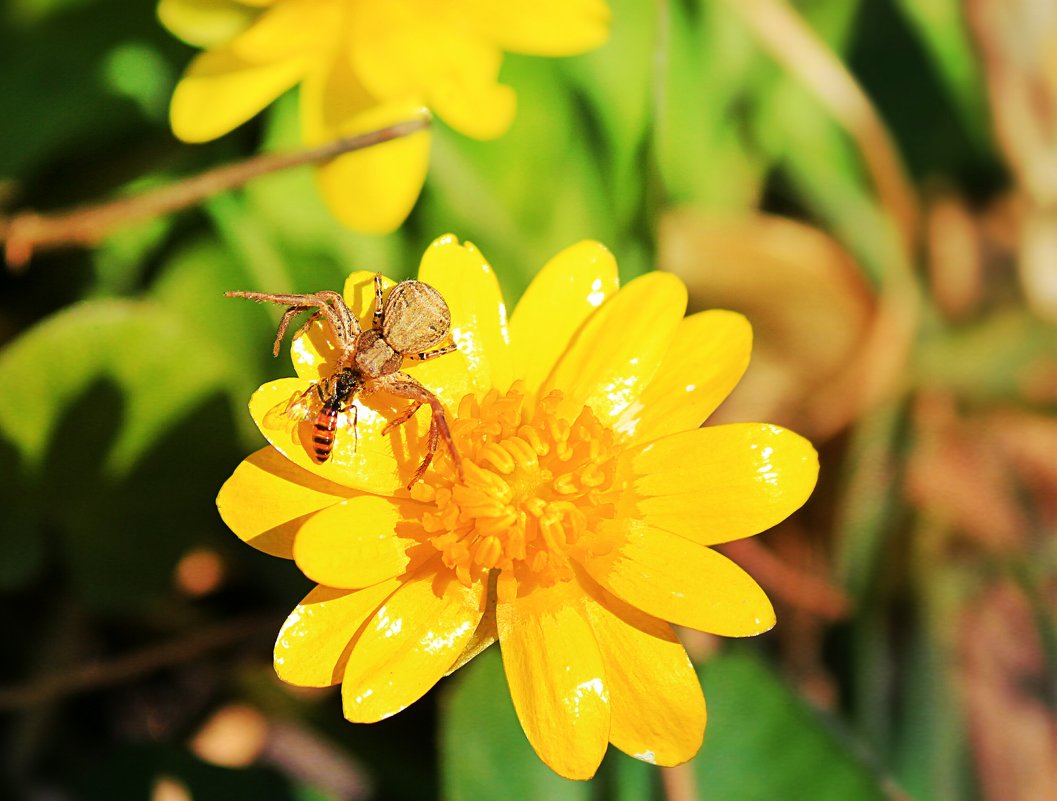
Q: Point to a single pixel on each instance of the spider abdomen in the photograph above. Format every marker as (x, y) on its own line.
(416, 317)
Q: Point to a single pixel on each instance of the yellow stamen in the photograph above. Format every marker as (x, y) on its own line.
(535, 486)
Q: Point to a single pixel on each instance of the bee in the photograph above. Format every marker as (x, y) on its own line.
(413, 320)
(328, 405)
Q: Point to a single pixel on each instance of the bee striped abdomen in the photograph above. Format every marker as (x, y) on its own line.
(323, 434)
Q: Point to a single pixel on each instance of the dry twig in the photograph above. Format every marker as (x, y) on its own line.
(28, 232)
(121, 669)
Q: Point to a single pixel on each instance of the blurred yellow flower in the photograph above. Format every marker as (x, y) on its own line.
(581, 530)
(363, 65)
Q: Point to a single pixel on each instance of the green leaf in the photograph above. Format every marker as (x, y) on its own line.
(81, 80)
(944, 31)
(138, 345)
(630, 779)
(710, 68)
(617, 85)
(484, 752)
(764, 743)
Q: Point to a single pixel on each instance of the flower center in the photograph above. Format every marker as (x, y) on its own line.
(535, 485)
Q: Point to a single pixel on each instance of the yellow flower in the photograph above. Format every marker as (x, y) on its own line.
(363, 65)
(582, 528)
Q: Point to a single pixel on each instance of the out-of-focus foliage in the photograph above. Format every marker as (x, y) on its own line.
(872, 182)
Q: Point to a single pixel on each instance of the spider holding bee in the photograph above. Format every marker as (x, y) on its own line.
(413, 319)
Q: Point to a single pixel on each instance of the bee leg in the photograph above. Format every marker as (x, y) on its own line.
(432, 354)
(378, 310)
(355, 431)
(402, 418)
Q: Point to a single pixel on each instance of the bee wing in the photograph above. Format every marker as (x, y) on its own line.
(299, 407)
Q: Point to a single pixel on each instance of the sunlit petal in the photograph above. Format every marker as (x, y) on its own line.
(707, 357)
(557, 677)
(720, 483)
(409, 644)
(615, 355)
(268, 498)
(313, 644)
(478, 322)
(656, 700)
(561, 296)
(486, 634)
(356, 543)
(674, 579)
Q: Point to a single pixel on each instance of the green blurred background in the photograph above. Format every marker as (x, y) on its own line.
(872, 181)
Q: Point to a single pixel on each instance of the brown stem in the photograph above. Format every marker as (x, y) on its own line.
(792, 43)
(28, 232)
(102, 674)
(679, 783)
(875, 373)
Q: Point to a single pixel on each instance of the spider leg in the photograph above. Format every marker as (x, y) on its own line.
(432, 354)
(378, 311)
(284, 323)
(404, 386)
(352, 325)
(338, 323)
(311, 319)
(402, 418)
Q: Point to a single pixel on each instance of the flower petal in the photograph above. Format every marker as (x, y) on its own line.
(355, 543)
(475, 108)
(220, 91)
(314, 642)
(268, 498)
(409, 644)
(370, 190)
(543, 27)
(719, 483)
(707, 357)
(658, 707)
(561, 296)
(617, 352)
(371, 461)
(206, 23)
(398, 50)
(486, 634)
(291, 28)
(557, 678)
(478, 323)
(680, 581)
